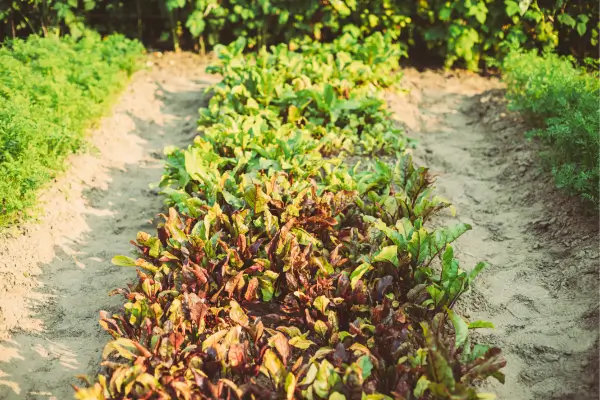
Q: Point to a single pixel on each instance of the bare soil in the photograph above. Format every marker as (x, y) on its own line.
(55, 274)
(541, 288)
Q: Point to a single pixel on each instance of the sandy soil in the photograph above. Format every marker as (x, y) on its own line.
(541, 289)
(55, 274)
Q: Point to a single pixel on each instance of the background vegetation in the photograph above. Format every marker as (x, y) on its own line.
(465, 32)
(51, 90)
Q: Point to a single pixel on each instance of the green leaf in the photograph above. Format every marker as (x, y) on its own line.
(475, 271)
(195, 23)
(512, 8)
(583, 18)
(290, 385)
(329, 95)
(358, 273)
(123, 261)
(440, 369)
(479, 350)
(257, 199)
(479, 11)
(449, 264)
(388, 254)
(443, 236)
(481, 324)
(460, 327)
(123, 346)
(566, 19)
(500, 377)
(310, 376)
(445, 12)
(291, 331)
(421, 387)
(326, 376)
(174, 4)
(365, 365)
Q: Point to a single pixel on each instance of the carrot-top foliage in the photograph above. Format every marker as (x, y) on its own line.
(51, 90)
(561, 102)
(280, 271)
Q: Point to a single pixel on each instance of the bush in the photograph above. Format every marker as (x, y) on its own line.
(51, 90)
(562, 102)
(465, 32)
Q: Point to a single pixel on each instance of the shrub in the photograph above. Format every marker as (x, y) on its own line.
(466, 32)
(51, 90)
(562, 102)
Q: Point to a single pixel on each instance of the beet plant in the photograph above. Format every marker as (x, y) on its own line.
(282, 273)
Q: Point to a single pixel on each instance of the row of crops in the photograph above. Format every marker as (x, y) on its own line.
(51, 91)
(285, 269)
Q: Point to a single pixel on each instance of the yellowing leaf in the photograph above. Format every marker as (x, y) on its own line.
(300, 342)
(321, 328)
(321, 303)
(273, 367)
(213, 339)
(237, 314)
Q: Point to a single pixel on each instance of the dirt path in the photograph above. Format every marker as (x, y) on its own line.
(55, 275)
(541, 289)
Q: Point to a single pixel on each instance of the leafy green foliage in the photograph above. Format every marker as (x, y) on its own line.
(281, 273)
(51, 90)
(562, 101)
(43, 16)
(470, 31)
(467, 32)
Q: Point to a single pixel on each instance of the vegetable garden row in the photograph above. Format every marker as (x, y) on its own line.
(284, 269)
(51, 91)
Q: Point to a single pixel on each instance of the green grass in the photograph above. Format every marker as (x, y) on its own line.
(51, 91)
(562, 101)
